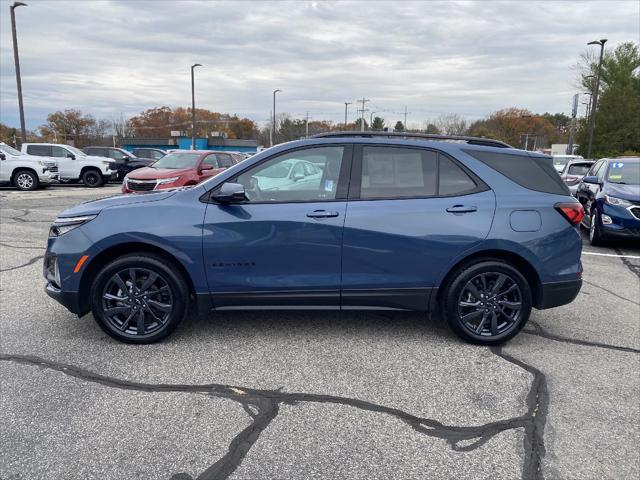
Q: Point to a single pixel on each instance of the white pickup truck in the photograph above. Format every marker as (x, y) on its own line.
(74, 164)
(25, 172)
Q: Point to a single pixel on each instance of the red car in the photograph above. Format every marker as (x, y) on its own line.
(179, 169)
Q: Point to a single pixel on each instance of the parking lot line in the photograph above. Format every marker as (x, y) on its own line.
(609, 255)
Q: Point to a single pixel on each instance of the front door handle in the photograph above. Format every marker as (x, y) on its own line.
(322, 214)
(461, 209)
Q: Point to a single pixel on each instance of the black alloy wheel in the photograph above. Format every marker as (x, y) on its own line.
(139, 298)
(487, 302)
(92, 178)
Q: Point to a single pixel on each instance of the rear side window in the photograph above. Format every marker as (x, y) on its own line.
(534, 173)
(40, 150)
(395, 173)
(389, 172)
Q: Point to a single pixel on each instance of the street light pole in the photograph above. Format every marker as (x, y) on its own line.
(193, 108)
(272, 132)
(594, 97)
(23, 130)
(346, 105)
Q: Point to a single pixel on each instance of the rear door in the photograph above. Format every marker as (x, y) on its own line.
(282, 247)
(411, 212)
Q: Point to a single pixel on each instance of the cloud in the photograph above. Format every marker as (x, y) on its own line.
(112, 57)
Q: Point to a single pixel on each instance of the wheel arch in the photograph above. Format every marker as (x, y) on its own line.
(115, 251)
(516, 260)
(90, 167)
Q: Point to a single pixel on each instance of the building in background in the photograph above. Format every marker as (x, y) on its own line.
(219, 143)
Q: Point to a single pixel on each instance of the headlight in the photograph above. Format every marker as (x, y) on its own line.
(63, 225)
(162, 181)
(618, 202)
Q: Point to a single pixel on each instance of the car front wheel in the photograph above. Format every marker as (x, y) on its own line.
(487, 302)
(26, 180)
(595, 235)
(139, 298)
(92, 178)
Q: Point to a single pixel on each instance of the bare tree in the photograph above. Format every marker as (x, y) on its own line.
(451, 124)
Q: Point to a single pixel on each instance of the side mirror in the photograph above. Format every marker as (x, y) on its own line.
(71, 156)
(2, 156)
(206, 166)
(230, 193)
(591, 179)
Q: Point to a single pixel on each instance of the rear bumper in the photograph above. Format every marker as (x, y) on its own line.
(555, 294)
(70, 300)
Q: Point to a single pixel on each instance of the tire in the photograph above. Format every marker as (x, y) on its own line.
(26, 180)
(470, 315)
(117, 307)
(595, 235)
(92, 178)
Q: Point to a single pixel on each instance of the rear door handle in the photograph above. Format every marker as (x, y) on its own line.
(461, 209)
(322, 214)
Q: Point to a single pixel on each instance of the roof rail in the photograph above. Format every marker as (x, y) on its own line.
(487, 142)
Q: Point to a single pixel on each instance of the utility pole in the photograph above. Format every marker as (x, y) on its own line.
(572, 128)
(594, 97)
(306, 125)
(23, 130)
(346, 106)
(362, 111)
(405, 118)
(193, 107)
(272, 132)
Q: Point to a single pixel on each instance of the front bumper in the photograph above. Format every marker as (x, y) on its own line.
(70, 300)
(554, 294)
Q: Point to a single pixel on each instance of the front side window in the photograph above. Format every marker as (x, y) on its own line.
(60, 152)
(117, 155)
(211, 159)
(178, 160)
(389, 172)
(292, 177)
(224, 160)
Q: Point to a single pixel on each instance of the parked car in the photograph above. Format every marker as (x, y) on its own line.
(154, 153)
(560, 161)
(125, 161)
(75, 165)
(178, 169)
(610, 194)
(573, 172)
(25, 172)
(292, 174)
(479, 230)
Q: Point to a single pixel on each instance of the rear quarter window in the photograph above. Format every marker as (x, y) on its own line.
(533, 173)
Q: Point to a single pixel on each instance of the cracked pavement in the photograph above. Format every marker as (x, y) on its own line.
(297, 395)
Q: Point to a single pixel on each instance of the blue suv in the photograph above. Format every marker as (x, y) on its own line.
(610, 194)
(343, 221)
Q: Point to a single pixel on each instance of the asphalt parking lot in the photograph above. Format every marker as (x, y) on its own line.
(299, 395)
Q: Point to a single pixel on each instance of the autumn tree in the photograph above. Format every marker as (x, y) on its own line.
(512, 125)
(74, 126)
(451, 124)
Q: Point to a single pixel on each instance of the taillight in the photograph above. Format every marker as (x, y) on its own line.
(573, 212)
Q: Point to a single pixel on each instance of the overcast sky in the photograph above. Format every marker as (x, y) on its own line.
(471, 58)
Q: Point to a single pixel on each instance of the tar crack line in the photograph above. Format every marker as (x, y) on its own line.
(267, 403)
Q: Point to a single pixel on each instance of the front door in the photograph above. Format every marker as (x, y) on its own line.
(411, 212)
(282, 247)
(66, 165)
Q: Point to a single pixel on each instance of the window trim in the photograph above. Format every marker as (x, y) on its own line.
(356, 174)
(342, 188)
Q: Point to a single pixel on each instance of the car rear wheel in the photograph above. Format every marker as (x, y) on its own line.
(595, 235)
(92, 178)
(26, 180)
(139, 298)
(487, 302)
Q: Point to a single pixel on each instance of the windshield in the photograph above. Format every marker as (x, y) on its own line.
(9, 150)
(76, 152)
(559, 161)
(177, 160)
(279, 170)
(624, 172)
